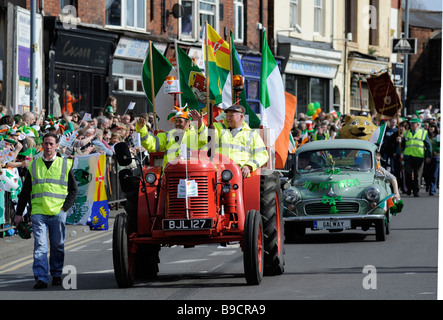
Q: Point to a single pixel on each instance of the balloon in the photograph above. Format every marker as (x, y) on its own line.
(311, 110)
(317, 105)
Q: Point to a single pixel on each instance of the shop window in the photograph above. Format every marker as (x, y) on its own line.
(129, 85)
(358, 103)
(253, 95)
(129, 14)
(307, 90)
(126, 76)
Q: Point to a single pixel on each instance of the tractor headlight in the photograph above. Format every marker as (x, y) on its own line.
(291, 195)
(226, 188)
(151, 177)
(226, 175)
(372, 194)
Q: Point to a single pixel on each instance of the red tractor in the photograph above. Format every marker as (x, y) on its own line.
(194, 201)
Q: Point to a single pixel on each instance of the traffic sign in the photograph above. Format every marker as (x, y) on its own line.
(404, 46)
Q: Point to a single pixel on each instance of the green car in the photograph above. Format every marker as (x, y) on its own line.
(335, 186)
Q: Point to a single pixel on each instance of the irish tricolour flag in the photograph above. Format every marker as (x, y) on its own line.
(273, 106)
(164, 102)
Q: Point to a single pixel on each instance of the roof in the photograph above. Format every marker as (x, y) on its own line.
(338, 144)
(424, 19)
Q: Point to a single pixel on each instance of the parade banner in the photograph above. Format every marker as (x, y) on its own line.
(386, 100)
(91, 206)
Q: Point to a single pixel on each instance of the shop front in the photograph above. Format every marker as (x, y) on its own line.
(127, 66)
(78, 73)
(309, 71)
(360, 67)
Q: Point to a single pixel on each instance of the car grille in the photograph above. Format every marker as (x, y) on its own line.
(342, 207)
(197, 205)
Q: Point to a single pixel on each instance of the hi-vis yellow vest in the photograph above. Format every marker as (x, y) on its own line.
(170, 142)
(246, 148)
(415, 145)
(49, 186)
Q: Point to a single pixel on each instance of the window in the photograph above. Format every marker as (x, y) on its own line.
(239, 20)
(373, 23)
(351, 19)
(195, 14)
(318, 16)
(130, 14)
(126, 75)
(358, 103)
(294, 13)
(307, 90)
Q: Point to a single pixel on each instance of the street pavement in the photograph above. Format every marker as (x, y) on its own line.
(11, 246)
(321, 266)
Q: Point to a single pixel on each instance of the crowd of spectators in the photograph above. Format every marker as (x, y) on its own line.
(99, 134)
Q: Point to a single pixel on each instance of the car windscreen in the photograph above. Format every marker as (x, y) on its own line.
(334, 159)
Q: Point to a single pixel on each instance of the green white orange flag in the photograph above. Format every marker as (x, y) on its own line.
(275, 112)
(164, 102)
(253, 120)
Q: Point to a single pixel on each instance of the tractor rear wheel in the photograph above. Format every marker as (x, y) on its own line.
(273, 226)
(122, 258)
(253, 248)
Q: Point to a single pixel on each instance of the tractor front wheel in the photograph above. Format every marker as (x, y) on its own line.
(123, 259)
(253, 257)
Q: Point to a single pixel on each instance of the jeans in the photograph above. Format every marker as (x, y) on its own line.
(55, 226)
(434, 167)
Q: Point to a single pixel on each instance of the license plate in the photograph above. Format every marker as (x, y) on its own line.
(187, 224)
(332, 224)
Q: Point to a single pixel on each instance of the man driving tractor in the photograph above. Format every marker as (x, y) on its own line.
(235, 139)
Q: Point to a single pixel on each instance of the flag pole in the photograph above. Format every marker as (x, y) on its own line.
(211, 133)
(178, 70)
(151, 70)
(208, 105)
(232, 69)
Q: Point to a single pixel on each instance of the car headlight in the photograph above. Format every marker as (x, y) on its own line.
(372, 194)
(151, 177)
(291, 195)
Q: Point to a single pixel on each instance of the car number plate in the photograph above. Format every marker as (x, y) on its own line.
(332, 224)
(187, 224)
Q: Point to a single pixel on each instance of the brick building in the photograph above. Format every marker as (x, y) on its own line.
(424, 80)
(93, 49)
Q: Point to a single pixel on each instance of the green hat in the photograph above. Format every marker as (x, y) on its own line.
(24, 230)
(415, 120)
(26, 152)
